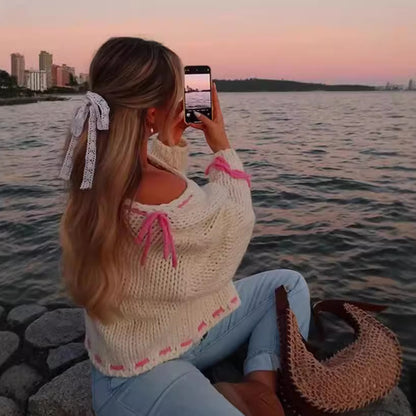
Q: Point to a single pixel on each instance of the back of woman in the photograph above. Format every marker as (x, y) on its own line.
(151, 255)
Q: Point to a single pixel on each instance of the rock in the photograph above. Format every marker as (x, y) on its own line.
(2, 312)
(9, 408)
(57, 301)
(67, 394)
(24, 314)
(395, 404)
(56, 328)
(9, 343)
(19, 382)
(65, 355)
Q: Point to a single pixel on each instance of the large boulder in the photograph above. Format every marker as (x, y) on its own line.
(56, 328)
(24, 314)
(19, 382)
(9, 343)
(9, 408)
(65, 355)
(58, 302)
(395, 404)
(68, 394)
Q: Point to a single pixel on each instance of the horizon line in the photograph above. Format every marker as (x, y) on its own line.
(379, 83)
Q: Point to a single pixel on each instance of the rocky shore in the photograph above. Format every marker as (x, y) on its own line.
(45, 371)
(30, 100)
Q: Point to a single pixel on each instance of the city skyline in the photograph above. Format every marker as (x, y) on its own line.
(59, 74)
(305, 40)
(48, 74)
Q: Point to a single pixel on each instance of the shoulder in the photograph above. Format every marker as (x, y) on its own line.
(159, 187)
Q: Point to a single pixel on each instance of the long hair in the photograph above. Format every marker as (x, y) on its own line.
(132, 75)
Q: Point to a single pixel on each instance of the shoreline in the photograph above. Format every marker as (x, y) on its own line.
(30, 100)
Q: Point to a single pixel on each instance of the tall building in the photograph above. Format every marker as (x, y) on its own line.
(69, 74)
(60, 75)
(412, 85)
(56, 75)
(36, 80)
(45, 64)
(69, 69)
(18, 68)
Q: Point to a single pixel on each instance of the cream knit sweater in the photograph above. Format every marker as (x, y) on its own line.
(182, 286)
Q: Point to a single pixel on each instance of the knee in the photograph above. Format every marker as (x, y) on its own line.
(300, 291)
(293, 281)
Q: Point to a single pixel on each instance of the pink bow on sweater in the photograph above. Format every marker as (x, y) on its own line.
(145, 232)
(221, 164)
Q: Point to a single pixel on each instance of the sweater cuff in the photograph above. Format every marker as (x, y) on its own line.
(175, 156)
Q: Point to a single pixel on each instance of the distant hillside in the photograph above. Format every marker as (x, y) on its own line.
(256, 85)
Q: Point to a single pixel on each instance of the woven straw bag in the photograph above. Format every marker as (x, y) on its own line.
(355, 376)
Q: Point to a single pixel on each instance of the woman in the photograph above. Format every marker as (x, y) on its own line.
(151, 255)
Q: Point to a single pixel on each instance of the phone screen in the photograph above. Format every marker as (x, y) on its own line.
(197, 92)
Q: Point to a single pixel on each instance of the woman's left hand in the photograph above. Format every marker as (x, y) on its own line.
(173, 128)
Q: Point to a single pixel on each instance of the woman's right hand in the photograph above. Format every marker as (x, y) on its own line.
(214, 129)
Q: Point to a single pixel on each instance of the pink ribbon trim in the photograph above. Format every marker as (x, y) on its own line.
(201, 326)
(168, 349)
(186, 343)
(182, 204)
(220, 163)
(218, 312)
(142, 363)
(145, 235)
(165, 351)
(116, 367)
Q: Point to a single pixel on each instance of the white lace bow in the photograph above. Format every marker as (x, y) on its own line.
(98, 111)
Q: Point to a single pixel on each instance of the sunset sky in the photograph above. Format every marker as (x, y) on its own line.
(332, 41)
(197, 81)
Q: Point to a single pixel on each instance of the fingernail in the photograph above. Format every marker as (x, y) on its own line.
(197, 114)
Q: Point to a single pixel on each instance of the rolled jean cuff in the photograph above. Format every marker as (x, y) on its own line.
(262, 361)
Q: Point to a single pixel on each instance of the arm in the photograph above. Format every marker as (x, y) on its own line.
(175, 156)
(227, 170)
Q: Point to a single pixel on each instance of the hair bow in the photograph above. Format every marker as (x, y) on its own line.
(96, 108)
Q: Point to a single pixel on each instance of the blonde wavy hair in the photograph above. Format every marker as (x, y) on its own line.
(133, 75)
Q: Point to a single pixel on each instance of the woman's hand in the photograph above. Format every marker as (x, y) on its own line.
(214, 129)
(173, 128)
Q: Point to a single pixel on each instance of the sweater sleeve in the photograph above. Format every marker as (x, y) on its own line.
(227, 170)
(174, 156)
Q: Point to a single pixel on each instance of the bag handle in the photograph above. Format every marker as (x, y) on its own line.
(282, 308)
(337, 307)
(334, 306)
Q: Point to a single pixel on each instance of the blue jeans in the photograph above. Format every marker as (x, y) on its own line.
(177, 387)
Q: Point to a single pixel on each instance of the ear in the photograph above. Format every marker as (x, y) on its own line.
(151, 115)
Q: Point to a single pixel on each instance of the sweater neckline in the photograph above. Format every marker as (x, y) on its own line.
(169, 205)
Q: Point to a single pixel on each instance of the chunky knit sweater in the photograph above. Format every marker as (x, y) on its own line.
(180, 263)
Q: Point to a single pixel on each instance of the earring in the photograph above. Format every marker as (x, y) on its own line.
(151, 130)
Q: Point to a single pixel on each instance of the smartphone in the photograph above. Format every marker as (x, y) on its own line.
(197, 96)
